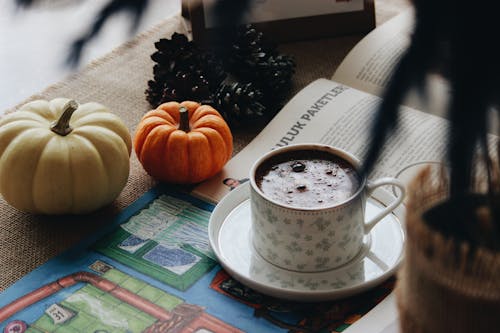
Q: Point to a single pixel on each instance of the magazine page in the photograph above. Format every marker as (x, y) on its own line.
(369, 65)
(332, 113)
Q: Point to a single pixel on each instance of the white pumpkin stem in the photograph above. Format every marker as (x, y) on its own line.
(61, 126)
(184, 119)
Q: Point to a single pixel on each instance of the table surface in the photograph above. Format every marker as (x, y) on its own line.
(35, 42)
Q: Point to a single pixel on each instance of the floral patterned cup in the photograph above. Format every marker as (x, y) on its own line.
(319, 238)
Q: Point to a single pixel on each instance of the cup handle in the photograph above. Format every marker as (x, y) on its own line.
(371, 186)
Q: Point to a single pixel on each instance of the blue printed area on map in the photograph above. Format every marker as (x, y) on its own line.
(170, 257)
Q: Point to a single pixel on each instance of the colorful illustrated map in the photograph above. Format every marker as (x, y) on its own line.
(154, 271)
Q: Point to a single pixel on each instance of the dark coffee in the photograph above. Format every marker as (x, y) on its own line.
(307, 178)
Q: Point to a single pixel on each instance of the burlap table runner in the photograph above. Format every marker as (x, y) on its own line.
(118, 80)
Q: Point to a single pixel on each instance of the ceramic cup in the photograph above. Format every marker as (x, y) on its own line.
(313, 239)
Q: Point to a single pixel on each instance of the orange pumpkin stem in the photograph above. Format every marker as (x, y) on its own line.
(61, 126)
(184, 119)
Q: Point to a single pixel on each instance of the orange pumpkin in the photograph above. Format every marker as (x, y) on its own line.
(183, 143)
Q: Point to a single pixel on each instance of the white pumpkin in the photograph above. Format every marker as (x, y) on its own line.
(58, 157)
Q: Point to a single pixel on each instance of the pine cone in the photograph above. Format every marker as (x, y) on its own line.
(179, 87)
(256, 60)
(241, 103)
(178, 47)
(183, 71)
(247, 50)
(275, 74)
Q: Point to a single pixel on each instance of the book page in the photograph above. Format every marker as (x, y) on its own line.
(369, 65)
(381, 319)
(331, 113)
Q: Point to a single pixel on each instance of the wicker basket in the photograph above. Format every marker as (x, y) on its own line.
(443, 286)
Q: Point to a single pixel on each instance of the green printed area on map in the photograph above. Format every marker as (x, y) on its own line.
(168, 240)
(94, 310)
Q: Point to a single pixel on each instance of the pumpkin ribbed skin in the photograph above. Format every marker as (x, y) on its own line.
(47, 173)
(173, 155)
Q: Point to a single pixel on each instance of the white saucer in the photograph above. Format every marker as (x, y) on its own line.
(380, 256)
